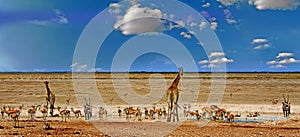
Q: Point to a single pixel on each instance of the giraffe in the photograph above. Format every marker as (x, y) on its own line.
(173, 96)
(50, 98)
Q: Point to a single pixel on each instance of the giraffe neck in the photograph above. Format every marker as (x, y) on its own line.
(176, 80)
(48, 90)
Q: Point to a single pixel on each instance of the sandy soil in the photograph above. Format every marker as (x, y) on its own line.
(244, 93)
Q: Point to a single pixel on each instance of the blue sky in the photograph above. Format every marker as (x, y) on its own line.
(254, 35)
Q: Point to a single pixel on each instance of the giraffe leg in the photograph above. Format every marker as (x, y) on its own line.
(177, 112)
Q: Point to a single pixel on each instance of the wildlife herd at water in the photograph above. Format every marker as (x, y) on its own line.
(130, 113)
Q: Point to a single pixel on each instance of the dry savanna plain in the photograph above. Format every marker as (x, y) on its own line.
(238, 93)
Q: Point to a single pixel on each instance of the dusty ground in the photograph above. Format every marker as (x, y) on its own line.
(284, 128)
(244, 93)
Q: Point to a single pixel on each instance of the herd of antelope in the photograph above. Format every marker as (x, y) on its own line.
(213, 112)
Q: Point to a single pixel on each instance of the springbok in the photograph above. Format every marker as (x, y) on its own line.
(76, 112)
(131, 111)
(44, 111)
(64, 114)
(31, 112)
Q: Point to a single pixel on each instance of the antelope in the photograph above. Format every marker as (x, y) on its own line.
(286, 106)
(207, 110)
(102, 113)
(194, 113)
(64, 114)
(238, 115)
(9, 112)
(131, 111)
(14, 114)
(119, 112)
(230, 117)
(31, 112)
(255, 114)
(146, 113)
(44, 111)
(76, 112)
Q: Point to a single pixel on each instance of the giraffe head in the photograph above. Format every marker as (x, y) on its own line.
(46, 82)
(180, 71)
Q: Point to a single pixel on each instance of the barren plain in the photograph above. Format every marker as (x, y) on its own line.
(242, 93)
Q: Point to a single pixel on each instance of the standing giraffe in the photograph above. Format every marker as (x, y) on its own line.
(50, 98)
(173, 96)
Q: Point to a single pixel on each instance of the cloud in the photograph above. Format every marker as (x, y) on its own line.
(202, 25)
(262, 46)
(77, 67)
(288, 61)
(139, 20)
(283, 59)
(221, 60)
(186, 35)
(272, 62)
(275, 4)
(59, 18)
(206, 5)
(214, 25)
(260, 43)
(284, 54)
(216, 54)
(283, 62)
(114, 8)
(229, 18)
(228, 2)
(216, 58)
(193, 24)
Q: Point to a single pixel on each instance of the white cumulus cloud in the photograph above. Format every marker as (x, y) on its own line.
(186, 35)
(284, 54)
(282, 60)
(288, 61)
(216, 54)
(206, 5)
(262, 46)
(139, 20)
(114, 8)
(221, 60)
(259, 41)
(202, 25)
(229, 18)
(216, 58)
(228, 2)
(275, 4)
(213, 25)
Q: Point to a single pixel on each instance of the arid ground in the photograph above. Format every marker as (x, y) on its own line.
(242, 93)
